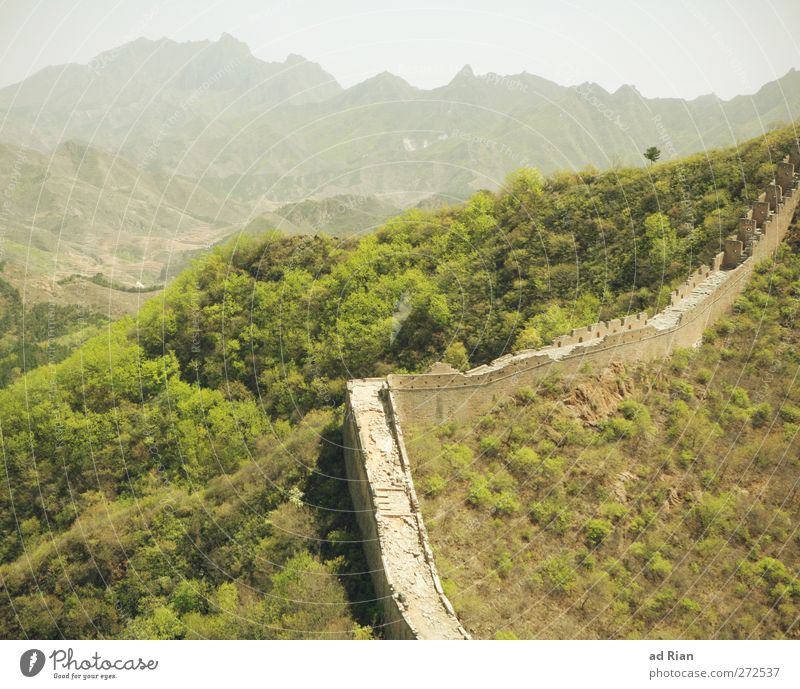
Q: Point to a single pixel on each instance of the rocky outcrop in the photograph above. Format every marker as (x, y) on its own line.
(598, 398)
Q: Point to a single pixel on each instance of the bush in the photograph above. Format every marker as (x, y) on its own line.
(725, 327)
(490, 445)
(658, 566)
(638, 414)
(714, 514)
(682, 390)
(457, 356)
(739, 397)
(680, 360)
(479, 493)
(760, 414)
(505, 635)
(597, 530)
(704, 376)
(501, 480)
(504, 565)
(436, 484)
(553, 466)
(551, 514)
(689, 605)
(189, 596)
(525, 394)
(618, 428)
(524, 460)
(613, 510)
(790, 413)
(560, 575)
(506, 504)
(458, 458)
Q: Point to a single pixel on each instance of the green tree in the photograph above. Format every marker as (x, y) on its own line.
(652, 154)
(456, 355)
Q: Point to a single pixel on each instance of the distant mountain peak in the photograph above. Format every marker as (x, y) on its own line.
(465, 73)
(626, 89)
(225, 37)
(388, 77)
(232, 45)
(294, 59)
(382, 86)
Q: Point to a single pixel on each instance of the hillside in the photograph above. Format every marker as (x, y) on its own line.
(32, 336)
(153, 152)
(646, 501)
(338, 216)
(85, 210)
(181, 474)
(213, 112)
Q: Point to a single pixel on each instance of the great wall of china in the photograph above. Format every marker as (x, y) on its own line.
(395, 540)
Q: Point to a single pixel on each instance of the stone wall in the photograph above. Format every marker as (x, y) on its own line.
(394, 535)
(395, 540)
(707, 295)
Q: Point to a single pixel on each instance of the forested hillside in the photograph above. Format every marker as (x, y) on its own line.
(181, 476)
(648, 501)
(39, 334)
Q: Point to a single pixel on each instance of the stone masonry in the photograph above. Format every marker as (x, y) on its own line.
(395, 539)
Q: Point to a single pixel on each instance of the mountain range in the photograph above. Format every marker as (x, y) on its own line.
(157, 149)
(252, 130)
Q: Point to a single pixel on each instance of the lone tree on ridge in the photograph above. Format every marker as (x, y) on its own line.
(652, 154)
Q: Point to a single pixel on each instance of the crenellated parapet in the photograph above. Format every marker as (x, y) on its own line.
(378, 469)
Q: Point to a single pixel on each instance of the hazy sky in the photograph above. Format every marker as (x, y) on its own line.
(664, 47)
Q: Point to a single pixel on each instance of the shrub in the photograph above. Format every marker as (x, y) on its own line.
(597, 530)
(714, 514)
(658, 566)
(708, 478)
(189, 596)
(560, 575)
(506, 504)
(790, 413)
(638, 414)
(725, 327)
(689, 605)
(524, 460)
(486, 423)
(739, 397)
(457, 356)
(479, 494)
(613, 510)
(490, 445)
(680, 360)
(525, 394)
(553, 466)
(501, 480)
(505, 635)
(704, 376)
(551, 514)
(618, 428)
(436, 484)
(760, 414)
(504, 565)
(682, 390)
(458, 458)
